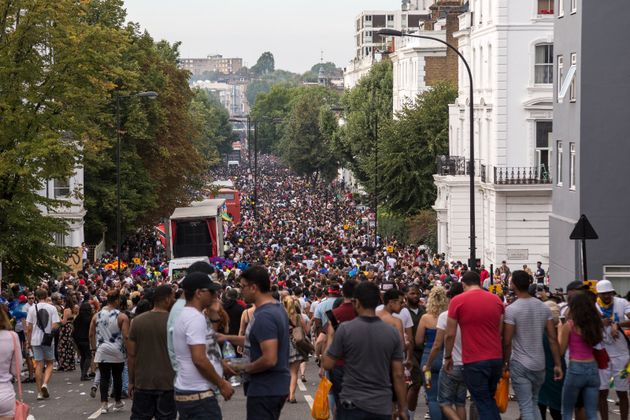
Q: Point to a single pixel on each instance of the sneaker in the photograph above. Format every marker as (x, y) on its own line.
(104, 408)
(427, 416)
(45, 391)
(119, 405)
(93, 392)
(39, 396)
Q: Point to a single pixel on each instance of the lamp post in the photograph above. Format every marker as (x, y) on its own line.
(472, 262)
(150, 95)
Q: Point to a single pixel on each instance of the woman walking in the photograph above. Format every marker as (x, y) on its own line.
(582, 331)
(81, 336)
(8, 342)
(66, 349)
(427, 330)
(295, 358)
(108, 331)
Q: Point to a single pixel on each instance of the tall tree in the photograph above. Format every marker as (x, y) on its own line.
(266, 64)
(409, 148)
(54, 83)
(306, 144)
(367, 109)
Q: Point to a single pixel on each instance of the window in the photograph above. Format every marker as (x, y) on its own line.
(543, 152)
(560, 78)
(545, 7)
(59, 238)
(560, 8)
(559, 162)
(390, 18)
(368, 18)
(572, 166)
(573, 6)
(61, 188)
(619, 276)
(573, 87)
(543, 66)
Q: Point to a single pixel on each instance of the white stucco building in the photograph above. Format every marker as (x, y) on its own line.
(70, 191)
(509, 46)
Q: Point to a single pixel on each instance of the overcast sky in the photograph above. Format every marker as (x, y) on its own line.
(295, 31)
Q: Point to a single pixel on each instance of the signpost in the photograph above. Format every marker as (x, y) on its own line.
(583, 231)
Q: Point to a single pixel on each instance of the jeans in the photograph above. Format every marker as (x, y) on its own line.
(336, 377)
(481, 380)
(452, 388)
(265, 408)
(205, 409)
(432, 394)
(527, 384)
(355, 413)
(581, 377)
(86, 357)
(149, 404)
(109, 371)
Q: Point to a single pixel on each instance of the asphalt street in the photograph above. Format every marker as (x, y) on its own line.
(70, 400)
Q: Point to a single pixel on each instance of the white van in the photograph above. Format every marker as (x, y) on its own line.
(177, 267)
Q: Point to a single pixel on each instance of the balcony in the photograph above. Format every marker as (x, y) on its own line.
(455, 165)
(519, 175)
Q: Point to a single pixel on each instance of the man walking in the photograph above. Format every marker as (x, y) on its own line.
(479, 315)
(373, 354)
(150, 373)
(415, 311)
(614, 312)
(199, 367)
(526, 322)
(42, 319)
(266, 343)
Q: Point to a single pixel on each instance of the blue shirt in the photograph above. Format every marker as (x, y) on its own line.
(270, 322)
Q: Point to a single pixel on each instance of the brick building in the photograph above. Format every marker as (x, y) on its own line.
(213, 63)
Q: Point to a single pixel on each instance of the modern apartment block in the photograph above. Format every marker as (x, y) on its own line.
(213, 63)
(509, 47)
(369, 46)
(590, 140)
(419, 63)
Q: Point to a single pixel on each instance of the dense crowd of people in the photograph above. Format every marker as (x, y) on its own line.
(304, 279)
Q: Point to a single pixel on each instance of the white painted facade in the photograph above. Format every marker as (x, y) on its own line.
(512, 103)
(71, 192)
(408, 65)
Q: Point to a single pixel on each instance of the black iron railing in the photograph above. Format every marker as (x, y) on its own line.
(516, 175)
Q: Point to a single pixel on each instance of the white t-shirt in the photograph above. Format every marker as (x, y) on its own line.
(192, 330)
(403, 315)
(48, 315)
(457, 348)
(616, 347)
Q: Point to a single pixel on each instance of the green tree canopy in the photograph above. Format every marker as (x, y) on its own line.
(266, 64)
(409, 148)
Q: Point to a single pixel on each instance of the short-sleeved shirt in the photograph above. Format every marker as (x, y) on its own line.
(478, 314)
(173, 316)
(368, 346)
(529, 317)
(192, 329)
(616, 346)
(457, 347)
(403, 315)
(323, 307)
(48, 315)
(269, 322)
(152, 367)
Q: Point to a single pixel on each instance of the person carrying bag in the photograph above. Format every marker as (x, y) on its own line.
(21, 408)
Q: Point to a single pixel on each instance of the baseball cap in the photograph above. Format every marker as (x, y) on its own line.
(195, 281)
(604, 286)
(576, 285)
(200, 267)
(22, 299)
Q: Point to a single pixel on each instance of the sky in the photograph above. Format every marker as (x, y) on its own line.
(295, 31)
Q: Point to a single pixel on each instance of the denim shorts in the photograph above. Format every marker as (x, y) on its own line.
(452, 388)
(41, 353)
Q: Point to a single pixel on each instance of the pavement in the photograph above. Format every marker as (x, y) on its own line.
(70, 400)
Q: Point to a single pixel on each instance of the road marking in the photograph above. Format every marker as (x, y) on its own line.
(301, 386)
(309, 401)
(97, 413)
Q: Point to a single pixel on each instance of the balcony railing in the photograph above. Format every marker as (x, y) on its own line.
(518, 175)
(456, 165)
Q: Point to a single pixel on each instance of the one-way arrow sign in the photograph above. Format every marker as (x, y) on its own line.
(583, 231)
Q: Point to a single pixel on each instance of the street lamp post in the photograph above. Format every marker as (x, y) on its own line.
(472, 262)
(150, 95)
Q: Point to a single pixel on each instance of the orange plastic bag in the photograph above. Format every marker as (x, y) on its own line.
(502, 396)
(320, 410)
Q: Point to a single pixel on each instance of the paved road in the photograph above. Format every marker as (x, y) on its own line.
(70, 400)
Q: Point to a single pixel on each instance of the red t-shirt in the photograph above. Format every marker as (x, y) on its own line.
(344, 312)
(484, 275)
(478, 314)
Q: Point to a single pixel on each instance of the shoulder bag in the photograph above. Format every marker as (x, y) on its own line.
(47, 338)
(21, 408)
(302, 343)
